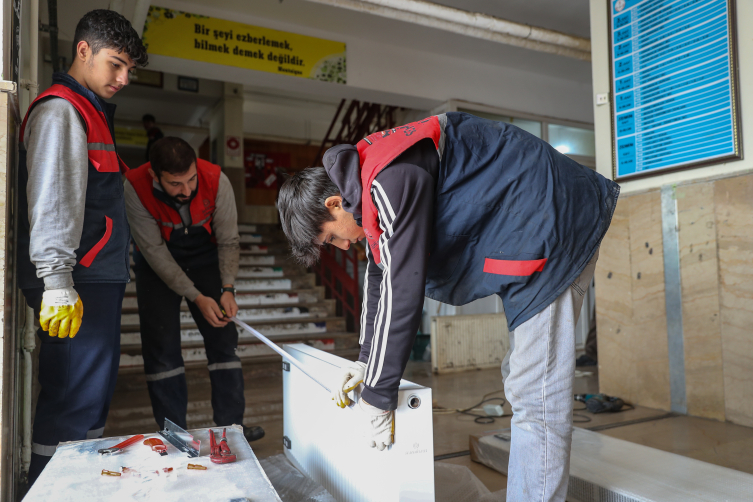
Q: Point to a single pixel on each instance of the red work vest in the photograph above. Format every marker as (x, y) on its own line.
(102, 255)
(98, 138)
(202, 206)
(376, 152)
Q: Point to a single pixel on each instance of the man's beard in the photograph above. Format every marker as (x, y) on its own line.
(179, 200)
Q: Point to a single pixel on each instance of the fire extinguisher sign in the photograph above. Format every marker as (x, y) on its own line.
(233, 146)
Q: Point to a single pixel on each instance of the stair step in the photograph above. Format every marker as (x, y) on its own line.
(259, 228)
(260, 272)
(341, 340)
(252, 314)
(130, 343)
(255, 285)
(270, 330)
(305, 298)
(199, 415)
(251, 238)
(252, 272)
(267, 260)
(252, 352)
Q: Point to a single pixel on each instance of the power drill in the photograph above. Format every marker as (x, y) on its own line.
(599, 403)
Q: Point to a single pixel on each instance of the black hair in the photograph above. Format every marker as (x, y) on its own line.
(302, 211)
(106, 29)
(148, 118)
(171, 155)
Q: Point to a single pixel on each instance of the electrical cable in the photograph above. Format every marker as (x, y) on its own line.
(479, 419)
(584, 419)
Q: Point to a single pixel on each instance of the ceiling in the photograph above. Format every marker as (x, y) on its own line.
(570, 16)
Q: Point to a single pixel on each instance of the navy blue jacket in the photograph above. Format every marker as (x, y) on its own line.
(503, 194)
(457, 228)
(104, 199)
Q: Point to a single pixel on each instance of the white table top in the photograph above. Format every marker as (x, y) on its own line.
(74, 473)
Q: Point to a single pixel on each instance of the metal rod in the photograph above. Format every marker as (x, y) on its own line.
(269, 343)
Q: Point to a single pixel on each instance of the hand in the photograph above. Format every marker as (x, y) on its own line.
(227, 302)
(349, 378)
(380, 428)
(61, 312)
(211, 311)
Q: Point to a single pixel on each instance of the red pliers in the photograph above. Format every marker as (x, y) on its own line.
(119, 447)
(220, 453)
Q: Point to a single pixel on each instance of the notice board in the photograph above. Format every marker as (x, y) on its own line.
(674, 85)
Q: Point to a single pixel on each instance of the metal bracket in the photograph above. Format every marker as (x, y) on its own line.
(28, 84)
(181, 439)
(8, 86)
(11, 88)
(285, 366)
(286, 442)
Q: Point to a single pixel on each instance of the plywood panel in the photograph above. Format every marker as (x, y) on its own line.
(699, 272)
(614, 308)
(734, 219)
(649, 328)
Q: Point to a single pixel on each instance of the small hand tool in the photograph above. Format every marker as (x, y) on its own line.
(157, 445)
(112, 450)
(220, 453)
(181, 439)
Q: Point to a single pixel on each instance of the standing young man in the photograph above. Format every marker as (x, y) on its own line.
(73, 235)
(185, 225)
(457, 208)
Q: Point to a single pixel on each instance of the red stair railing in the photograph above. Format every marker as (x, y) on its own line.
(337, 271)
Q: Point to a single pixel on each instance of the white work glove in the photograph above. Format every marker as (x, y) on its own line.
(61, 312)
(380, 426)
(349, 378)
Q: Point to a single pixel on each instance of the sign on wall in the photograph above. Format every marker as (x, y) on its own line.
(674, 85)
(169, 32)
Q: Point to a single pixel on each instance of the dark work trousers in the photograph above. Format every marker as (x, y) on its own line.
(159, 317)
(76, 375)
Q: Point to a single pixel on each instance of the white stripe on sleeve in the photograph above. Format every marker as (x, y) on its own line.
(365, 301)
(384, 312)
(387, 278)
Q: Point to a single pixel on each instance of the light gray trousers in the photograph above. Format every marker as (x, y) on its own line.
(538, 373)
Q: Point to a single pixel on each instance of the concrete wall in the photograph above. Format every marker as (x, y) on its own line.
(715, 238)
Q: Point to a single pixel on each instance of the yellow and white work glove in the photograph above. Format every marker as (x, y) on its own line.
(380, 428)
(61, 312)
(348, 380)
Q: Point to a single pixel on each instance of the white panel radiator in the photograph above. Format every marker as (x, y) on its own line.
(466, 342)
(324, 441)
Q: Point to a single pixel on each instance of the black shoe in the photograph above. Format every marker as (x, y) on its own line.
(585, 360)
(253, 433)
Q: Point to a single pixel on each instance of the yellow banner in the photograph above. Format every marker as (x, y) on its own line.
(131, 136)
(170, 32)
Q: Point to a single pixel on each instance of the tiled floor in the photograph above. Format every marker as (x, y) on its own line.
(719, 443)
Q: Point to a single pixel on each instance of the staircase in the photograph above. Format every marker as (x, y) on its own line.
(275, 296)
